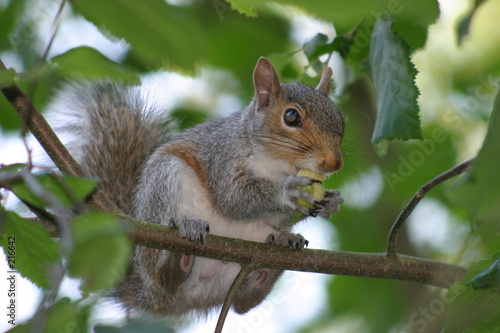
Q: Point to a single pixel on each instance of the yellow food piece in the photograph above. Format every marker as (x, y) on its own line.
(311, 174)
(315, 189)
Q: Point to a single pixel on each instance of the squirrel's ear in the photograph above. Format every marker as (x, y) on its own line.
(324, 83)
(266, 81)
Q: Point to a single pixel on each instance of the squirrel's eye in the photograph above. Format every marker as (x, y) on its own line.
(292, 118)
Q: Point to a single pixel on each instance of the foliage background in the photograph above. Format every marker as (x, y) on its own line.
(220, 45)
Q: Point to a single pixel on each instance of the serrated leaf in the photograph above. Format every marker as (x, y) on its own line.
(477, 310)
(65, 188)
(100, 253)
(89, 63)
(159, 33)
(28, 247)
(393, 78)
(479, 190)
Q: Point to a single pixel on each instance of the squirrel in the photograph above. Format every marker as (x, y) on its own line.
(234, 176)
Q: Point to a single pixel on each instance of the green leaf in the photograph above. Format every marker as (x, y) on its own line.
(28, 247)
(316, 46)
(393, 78)
(9, 16)
(464, 25)
(67, 189)
(479, 190)
(160, 34)
(412, 17)
(100, 253)
(236, 42)
(89, 63)
(488, 278)
(8, 118)
(16, 167)
(63, 316)
(471, 309)
(7, 76)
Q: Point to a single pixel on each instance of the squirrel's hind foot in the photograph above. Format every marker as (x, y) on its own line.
(192, 228)
(288, 239)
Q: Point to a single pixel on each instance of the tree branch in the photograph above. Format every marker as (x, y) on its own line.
(371, 265)
(48, 139)
(410, 206)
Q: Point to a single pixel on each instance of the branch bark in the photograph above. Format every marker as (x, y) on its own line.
(374, 265)
(360, 264)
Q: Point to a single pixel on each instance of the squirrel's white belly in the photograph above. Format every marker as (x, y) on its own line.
(210, 279)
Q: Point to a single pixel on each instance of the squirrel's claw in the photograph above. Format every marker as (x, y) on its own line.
(192, 228)
(289, 240)
(330, 204)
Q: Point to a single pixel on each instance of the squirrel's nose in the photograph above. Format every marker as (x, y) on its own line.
(330, 163)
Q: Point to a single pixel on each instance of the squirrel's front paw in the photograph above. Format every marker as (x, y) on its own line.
(330, 204)
(291, 193)
(288, 239)
(192, 228)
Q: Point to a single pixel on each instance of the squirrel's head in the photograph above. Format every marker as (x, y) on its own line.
(299, 124)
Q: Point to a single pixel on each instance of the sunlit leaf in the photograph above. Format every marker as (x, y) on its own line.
(91, 64)
(63, 316)
(67, 189)
(28, 247)
(412, 17)
(100, 253)
(159, 33)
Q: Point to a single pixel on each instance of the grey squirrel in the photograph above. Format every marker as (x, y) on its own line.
(233, 176)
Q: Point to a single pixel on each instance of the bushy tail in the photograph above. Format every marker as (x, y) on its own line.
(111, 131)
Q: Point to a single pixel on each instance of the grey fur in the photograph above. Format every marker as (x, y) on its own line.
(216, 168)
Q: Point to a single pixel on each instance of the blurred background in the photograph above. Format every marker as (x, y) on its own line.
(208, 73)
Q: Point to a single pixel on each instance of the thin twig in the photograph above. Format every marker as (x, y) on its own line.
(410, 206)
(55, 27)
(231, 294)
